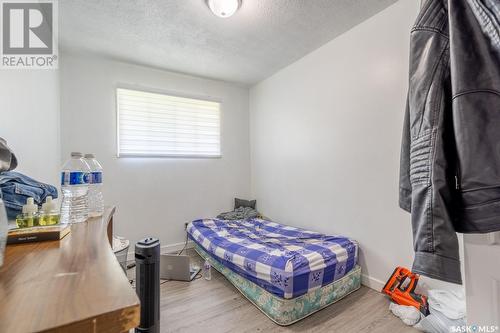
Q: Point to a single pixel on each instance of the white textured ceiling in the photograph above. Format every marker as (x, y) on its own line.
(184, 36)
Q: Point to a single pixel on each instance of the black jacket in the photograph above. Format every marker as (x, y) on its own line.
(450, 159)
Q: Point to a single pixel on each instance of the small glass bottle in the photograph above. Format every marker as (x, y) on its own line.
(207, 272)
(29, 216)
(49, 215)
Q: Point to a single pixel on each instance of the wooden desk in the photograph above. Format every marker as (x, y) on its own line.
(73, 285)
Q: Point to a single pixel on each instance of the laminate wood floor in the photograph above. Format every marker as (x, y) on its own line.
(217, 306)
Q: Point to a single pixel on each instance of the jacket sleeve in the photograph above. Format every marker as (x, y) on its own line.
(427, 159)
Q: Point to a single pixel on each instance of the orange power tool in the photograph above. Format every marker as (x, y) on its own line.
(401, 288)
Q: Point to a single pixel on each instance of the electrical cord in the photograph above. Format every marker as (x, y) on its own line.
(132, 282)
(185, 245)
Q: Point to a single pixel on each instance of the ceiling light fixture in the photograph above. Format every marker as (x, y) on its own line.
(224, 8)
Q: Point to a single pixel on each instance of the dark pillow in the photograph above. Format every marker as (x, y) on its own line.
(244, 203)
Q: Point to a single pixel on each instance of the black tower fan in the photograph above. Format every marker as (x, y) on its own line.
(147, 275)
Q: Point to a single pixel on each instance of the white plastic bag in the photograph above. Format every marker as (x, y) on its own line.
(408, 314)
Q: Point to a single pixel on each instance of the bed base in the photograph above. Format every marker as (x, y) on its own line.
(288, 311)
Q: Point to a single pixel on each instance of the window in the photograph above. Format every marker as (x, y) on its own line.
(153, 124)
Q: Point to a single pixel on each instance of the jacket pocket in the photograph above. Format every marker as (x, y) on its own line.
(420, 152)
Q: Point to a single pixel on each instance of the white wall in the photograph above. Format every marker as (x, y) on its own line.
(29, 121)
(325, 140)
(154, 196)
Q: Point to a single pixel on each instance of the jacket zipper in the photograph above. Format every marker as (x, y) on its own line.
(457, 177)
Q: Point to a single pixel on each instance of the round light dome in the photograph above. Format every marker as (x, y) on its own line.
(223, 8)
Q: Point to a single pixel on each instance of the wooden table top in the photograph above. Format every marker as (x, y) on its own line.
(72, 285)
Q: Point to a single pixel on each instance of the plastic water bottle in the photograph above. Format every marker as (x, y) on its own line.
(96, 202)
(74, 188)
(207, 271)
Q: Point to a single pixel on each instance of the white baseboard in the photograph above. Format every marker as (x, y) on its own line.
(372, 283)
(169, 248)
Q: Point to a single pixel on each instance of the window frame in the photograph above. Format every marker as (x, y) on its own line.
(173, 94)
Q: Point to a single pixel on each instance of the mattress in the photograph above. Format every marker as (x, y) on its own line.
(288, 311)
(285, 261)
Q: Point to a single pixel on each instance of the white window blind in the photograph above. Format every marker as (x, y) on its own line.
(153, 124)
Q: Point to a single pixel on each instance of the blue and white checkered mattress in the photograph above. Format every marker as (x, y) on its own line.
(286, 261)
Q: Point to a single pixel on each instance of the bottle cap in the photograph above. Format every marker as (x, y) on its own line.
(89, 156)
(30, 207)
(49, 205)
(76, 154)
